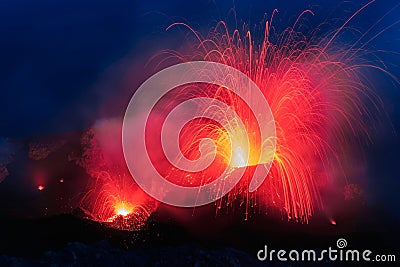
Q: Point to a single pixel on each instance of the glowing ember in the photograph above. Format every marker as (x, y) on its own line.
(123, 208)
(112, 197)
(317, 97)
(40, 187)
(128, 217)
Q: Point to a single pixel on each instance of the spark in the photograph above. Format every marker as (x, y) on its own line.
(112, 196)
(317, 97)
(123, 208)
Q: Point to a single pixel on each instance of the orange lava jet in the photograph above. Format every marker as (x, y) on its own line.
(123, 208)
(319, 101)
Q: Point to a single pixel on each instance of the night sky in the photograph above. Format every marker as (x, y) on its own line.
(66, 64)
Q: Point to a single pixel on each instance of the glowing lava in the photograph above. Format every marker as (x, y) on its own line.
(319, 102)
(317, 96)
(112, 196)
(123, 208)
(239, 159)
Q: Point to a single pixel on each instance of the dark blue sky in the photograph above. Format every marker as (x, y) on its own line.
(55, 53)
(62, 61)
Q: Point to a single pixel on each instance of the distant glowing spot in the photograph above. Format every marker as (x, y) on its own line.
(61, 180)
(40, 187)
(123, 208)
(333, 222)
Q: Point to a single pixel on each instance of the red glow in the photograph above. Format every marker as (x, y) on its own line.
(316, 96)
(112, 195)
(123, 208)
(40, 187)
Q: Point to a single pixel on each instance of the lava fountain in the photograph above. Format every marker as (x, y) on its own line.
(320, 105)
